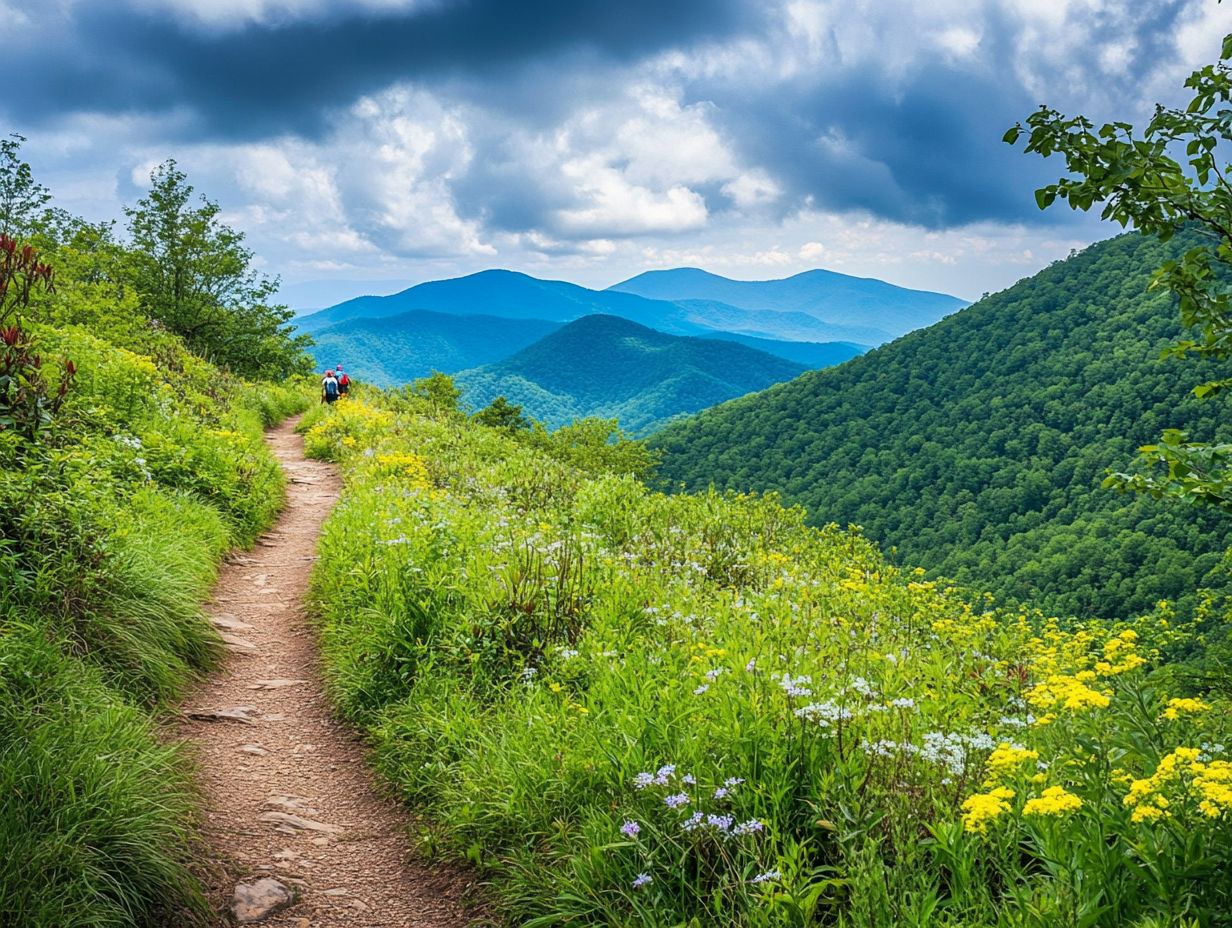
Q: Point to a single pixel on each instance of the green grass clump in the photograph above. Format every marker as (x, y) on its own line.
(638, 709)
(96, 815)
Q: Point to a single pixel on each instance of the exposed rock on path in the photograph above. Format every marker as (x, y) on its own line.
(301, 837)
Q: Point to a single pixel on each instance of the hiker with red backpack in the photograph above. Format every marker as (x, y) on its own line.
(344, 382)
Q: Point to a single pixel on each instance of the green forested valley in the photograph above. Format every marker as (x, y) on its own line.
(607, 367)
(976, 447)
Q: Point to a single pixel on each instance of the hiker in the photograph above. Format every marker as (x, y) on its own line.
(344, 382)
(329, 387)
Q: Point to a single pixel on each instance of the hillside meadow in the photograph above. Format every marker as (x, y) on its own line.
(633, 708)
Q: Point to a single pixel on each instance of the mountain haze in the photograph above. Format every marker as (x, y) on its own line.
(977, 446)
(610, 367)
(836, 299)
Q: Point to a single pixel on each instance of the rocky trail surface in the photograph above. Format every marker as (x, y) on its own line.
(300, 835)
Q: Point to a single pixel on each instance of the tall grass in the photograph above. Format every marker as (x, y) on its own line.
(630, 708)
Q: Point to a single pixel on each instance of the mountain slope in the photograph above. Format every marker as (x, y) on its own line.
(836, 299)
(606, 366)
(397, 349)
(977, 446)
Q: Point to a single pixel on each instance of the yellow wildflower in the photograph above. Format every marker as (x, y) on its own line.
(1005, 760)
(1053, 801)
(1178, 707)
(983, 808)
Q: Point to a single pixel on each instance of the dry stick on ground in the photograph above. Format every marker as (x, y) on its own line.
(288, 794)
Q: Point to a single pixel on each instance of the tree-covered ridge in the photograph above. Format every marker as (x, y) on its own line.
(977, 446)
(607, 367)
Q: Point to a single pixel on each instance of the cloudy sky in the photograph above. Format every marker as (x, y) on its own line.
(368, 143)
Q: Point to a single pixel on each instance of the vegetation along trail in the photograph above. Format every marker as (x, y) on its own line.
(288, 794)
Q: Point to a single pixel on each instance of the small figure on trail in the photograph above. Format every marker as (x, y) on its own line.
(329, 387)
(344, 382)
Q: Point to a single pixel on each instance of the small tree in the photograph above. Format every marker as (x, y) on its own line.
(1140, 184)
(502, 414)
(23, 201)
(194, 275)
(440, 392)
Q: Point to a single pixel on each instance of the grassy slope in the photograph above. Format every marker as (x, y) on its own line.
(546, 655)
(111, 526)
(977, 446)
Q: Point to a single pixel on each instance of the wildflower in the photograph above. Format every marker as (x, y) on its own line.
(701, 689)
(643, 780)
(689, 780)
(676, 800)
(795, 686)
(693, 822)
(720, 793)
(643, 879)
(630, 829)
(715, 673)
(555, 687)
(768, 876)
(751, 827)
(1053, 801)
(981, 809)
(1005, 760)
(664, 773)
(1067, 692)
(903, 702)
(751, 665)
(1178, 707)
(722, 823)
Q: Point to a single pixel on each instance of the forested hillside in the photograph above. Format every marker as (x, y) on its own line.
(606, 367)
(977, 447)
(398, 349)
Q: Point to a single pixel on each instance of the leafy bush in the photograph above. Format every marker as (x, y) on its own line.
(633, 708)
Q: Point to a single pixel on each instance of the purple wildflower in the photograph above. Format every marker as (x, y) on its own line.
(630, 829)
(676, 800)
(643, 879)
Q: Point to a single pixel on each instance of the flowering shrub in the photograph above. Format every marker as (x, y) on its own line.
(644, 709)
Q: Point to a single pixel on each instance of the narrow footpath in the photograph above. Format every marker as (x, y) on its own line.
(301, 837)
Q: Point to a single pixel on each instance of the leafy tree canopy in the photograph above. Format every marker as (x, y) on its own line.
(1142, 181)
(193, 274)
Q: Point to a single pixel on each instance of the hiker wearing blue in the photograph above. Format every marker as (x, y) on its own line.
(329, 388)
(344, 382)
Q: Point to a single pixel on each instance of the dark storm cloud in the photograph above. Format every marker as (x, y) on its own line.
(928, 149)
(260, 80)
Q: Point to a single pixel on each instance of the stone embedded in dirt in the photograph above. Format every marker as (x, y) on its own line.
(235, 714)
(236, 643)
(260, 899)
(273, 717)
(254, 749)
(291, 804)
(229, 622)
(287, 820)
(274, 684)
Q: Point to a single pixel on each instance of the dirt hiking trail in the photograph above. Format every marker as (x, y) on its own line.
(300, 835)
